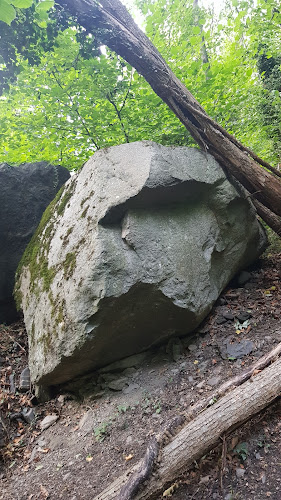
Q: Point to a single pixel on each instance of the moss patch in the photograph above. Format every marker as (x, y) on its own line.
(65, 199)
(66, 237)
(35, 257)
(69, 265)
(86, 199)
(84, 212)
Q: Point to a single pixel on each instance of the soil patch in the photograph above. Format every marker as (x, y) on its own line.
(104, 431)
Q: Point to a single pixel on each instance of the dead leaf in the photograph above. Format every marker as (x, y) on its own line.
(44, 492)
(129, 457)
(234, 442)
(170, 491)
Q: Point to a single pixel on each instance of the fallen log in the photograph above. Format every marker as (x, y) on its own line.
(239, 379)
(203, 433)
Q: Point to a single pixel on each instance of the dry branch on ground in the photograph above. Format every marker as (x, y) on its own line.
(203, 433)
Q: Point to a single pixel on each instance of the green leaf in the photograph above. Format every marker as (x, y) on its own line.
(22, 4)
(7, 12)
(45, 5)
(196, 30)
(193, 40)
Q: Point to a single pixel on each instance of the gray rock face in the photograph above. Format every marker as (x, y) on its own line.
(135, 251)
(25, 193)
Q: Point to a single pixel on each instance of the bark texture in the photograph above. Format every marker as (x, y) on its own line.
(203, 433)
(110, 22)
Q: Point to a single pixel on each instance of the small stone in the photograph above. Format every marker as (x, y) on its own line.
(25, 380)
(28, 415)
(192, 347)
(48, 421)
(33, 454)
(118, 384)
(130, 372)
(220, 320)
(130, 388)
(228, 315)
(61, 399)
(221, 301)
(213, 381)
(97, 395)
(263, 477)
(41, 442)
(129, 440)
(190, 378)
(243, 278)
(204, 480)
(243, 316)
(107, 377)
(177, 350)
(240, 473)
(86, 423)
(203, 366)
(236, 350)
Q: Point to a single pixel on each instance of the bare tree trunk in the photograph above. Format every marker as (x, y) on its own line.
(202, 434)
(109, 21)
(204, 53)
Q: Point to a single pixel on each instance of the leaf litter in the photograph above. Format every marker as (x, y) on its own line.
(99, 435)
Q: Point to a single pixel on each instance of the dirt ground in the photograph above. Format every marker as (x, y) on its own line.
(101, 432)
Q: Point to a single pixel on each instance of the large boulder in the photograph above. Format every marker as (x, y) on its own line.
(25, 193)
(136, 249)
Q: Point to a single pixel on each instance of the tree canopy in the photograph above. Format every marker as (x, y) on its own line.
(64, 95)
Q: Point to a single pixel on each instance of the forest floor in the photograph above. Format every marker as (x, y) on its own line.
(100, 435)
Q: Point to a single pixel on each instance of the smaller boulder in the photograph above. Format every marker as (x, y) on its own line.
(25, 193)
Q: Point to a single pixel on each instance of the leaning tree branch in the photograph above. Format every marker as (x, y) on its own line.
(113, 25)
(249, 393)
(269, 218)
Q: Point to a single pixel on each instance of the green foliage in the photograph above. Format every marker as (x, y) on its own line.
(102, 431)
(241, 450)
(67, 107)
(71, 98)
(217, 60)
(8, 8)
